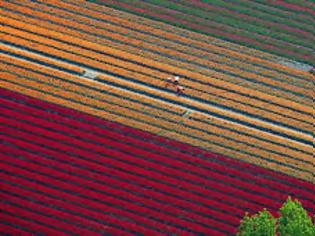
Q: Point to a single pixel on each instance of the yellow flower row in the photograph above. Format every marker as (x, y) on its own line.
(188, 37)
(167, 125)
(118, 68)
(152, 121)
(149, 71)
(270, 138)
(123, 22)
(170, 134)
(139, 76)
(141, 37)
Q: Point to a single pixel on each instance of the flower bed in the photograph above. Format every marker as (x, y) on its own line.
(78, 172)
(164, 125)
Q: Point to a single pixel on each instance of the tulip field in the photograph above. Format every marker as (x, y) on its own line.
(95, 141)
(251, 23)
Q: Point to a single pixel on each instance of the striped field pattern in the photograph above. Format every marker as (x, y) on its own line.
(121, 180)
(287, 26)
(95, 142)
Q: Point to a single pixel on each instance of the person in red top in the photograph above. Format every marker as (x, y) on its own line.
(179, 90)
(175, 81)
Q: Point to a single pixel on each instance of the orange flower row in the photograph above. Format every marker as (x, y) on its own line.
(188, 37)
(142, 37)
(130, 105)
(92, 103)
(151, 71)
(148, 79)
(123, 22)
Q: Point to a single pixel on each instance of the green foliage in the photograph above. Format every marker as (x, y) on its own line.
(263, 224)
(293, 221)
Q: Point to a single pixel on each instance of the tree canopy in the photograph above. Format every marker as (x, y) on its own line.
(293, 221)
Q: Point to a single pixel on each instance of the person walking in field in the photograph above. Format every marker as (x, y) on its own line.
(179, 90)
(172, 80)
(175, 82)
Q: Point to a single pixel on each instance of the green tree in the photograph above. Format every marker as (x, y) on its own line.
(262, 223)
(294, 220)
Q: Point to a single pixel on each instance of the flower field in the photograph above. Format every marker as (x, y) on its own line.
(95, 141)
(221, 96)
(112, 28)
(222, 19)
(197, 134)
(101, 159)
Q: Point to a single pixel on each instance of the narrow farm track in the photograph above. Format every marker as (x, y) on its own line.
(71, 18)
(30, 152)
(59, 64)
(231, 98)
(94, 141)
(165, 122)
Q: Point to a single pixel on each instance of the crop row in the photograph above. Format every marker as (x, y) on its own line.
(31, 210)
(300, 43)
(68, 178)
(88, 207)
(158, 199)
(179, 111)
(145, 170)
(120, 101)
(172, 53)
(192, 132)
(124, 166)
(217, 31)
(148, 101)
(7, 227)
(39, 209)
(225, 17)
(21, 53)
(187, 34)
(103, 217)
(227, 27)
(109, 134)
(292, 7)
(164, 124)
(122, 20)
(249, 36)
(224, 77)
(127, 56)
(267, 23)
(275, 13)
(227, 133)
(256, 17)
(97, 185)
(12, 214)
(130, 34)
(222, 31)
(87, 93)
(130, 76)
(39, 67)
(144, 81)
(127, 204)
(82, 121)
(244, 7)
(77, 128)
